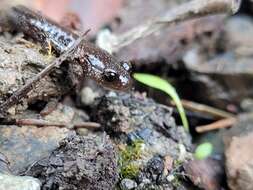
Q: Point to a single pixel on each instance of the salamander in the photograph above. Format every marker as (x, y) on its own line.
(91, 61)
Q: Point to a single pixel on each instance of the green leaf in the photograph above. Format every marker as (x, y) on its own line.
(161, 84)
(203, 151)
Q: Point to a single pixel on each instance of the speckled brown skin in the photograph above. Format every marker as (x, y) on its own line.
(87, 60)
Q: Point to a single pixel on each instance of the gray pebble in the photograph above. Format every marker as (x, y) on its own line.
(12, 182)
(128, 184)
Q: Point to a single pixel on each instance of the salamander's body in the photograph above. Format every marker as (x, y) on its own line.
(93, 61)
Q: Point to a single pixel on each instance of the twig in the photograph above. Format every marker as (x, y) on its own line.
(22, 92)
(41, 122)
(87, 125)
(223, 123)
(186, 11)
(197, 107)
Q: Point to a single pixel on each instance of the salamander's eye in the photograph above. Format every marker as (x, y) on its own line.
(126, 65)
(110, 75)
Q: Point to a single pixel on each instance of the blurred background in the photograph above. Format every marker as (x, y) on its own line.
(93, 13)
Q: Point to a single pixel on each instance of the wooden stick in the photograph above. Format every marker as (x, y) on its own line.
(202, 108)
(41, 122)
(223, 123)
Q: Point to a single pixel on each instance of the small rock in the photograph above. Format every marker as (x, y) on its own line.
(62, 113)
(168, 164)
(12, 182)
(239, 154)
(128, 184)
(206, 174)
(27, 144)
(239, 163)
(170, 178)
(155, 167)
(88, 96)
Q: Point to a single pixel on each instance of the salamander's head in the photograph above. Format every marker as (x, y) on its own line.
(118, 77)
(106, 70)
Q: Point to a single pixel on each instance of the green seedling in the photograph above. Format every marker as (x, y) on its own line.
(203, 151)
(161, 84)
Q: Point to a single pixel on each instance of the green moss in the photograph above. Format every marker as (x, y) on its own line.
(132, 152)
(130, 170)
(127, 156)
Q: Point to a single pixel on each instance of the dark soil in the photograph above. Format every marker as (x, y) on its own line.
(79, 163)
